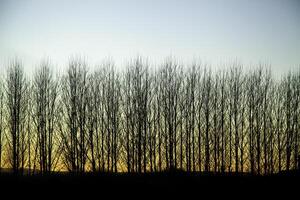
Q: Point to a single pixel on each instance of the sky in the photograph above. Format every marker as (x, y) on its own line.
(215, 32)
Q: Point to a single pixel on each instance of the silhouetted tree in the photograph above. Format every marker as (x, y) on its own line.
(236, 92)
(45, 117)
(1, 122)
(16, 103)
(170, 88)
(190, 117)
(112, 100)
(223, 112)
(207, 115)
(74, 101)
(141, 120)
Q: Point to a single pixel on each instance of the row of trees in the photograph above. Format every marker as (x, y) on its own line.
(145, 119)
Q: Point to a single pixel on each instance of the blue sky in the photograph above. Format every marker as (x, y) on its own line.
(216, 32)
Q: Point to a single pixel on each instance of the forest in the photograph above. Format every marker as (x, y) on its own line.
(147, 118)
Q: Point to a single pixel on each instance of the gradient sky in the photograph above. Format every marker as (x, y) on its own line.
(262, 31)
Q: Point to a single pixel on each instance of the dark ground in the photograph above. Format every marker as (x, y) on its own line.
(143, 186)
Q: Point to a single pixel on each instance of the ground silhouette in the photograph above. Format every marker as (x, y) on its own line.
(167, 184)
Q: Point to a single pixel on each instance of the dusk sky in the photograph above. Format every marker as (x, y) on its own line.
(216, 32)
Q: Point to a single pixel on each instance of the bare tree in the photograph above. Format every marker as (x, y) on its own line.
(112, 113)
(170, 88)
(207, 115)
(144, 120)
(94, 111)
(16, 102)
(235, 85)
(1, 123)
(45, 111)
(223, 109)
(190, 117)
(137, 106)
(296, 119)
(74, 101)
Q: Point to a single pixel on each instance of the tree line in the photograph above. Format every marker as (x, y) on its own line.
(149, 119)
